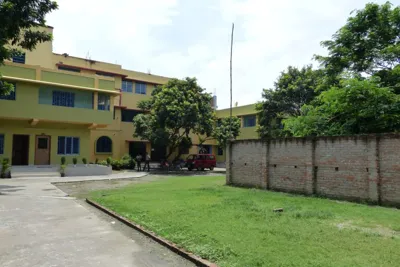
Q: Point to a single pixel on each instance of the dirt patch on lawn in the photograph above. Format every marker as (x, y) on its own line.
(378, 230)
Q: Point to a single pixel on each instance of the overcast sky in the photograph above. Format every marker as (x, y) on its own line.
(180, 38)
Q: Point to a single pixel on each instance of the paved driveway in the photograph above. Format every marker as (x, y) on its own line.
(41, 226)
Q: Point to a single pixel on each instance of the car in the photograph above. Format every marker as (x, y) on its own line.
(201, 162)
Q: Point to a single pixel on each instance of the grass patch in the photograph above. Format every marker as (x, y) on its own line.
(237, 227)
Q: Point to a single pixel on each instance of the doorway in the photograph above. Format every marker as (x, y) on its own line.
(20, 150)
(158, 152)
(42, 150)
(136, 148)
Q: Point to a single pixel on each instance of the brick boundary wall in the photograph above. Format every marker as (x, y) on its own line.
(357, 168)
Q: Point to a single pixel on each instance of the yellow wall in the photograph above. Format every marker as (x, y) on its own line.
(14, 127)
(26, 106)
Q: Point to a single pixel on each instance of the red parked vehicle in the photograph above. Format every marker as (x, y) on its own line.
(201, 162)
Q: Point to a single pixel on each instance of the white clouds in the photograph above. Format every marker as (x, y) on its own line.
(178, 39)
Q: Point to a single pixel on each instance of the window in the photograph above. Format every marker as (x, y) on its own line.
(127, 115)
(43, 143)
(10, 96)
(220, 151)
(105, 74)
(249, 121)
(140, 88)
(127, 86)
(64, 99)
(1, 144)
(104, 145)
(104, 102)
(69, 69)
(68, 145)
(19, 58)
(205, 149)
(211, 157)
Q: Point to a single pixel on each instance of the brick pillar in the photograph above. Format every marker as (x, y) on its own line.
(228, 163)
(265, 166)
(373, 169)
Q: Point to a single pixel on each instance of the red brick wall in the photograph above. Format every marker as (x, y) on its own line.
(355, 168)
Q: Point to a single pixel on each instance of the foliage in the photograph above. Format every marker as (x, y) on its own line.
(199, 209)
(84, 161)
(356, 107)
(367, 44)
(103, 163)
(63, 160)
(176, 110)
(19, 20)
(96, 161)
(109, 160)
(74, 161)
(62, 169)
(5, 167)
(293, 88)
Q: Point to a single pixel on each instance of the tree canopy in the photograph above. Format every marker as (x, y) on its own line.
(355, 107)
(19, 21)
(368, 44)
(293, 88)
(176, 110)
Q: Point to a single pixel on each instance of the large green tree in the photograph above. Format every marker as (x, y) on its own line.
(355, 107)
(368, 44)
(19, 21)
(175, 111)
(293, 88)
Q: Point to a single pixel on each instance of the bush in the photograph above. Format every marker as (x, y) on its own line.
(74, 161)
(84, 161)
(63, 160)
(97, 161)
(116, 164)
(109, 160)
(103, 163)
(5, 167)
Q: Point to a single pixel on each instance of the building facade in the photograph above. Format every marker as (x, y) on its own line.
(76, 107)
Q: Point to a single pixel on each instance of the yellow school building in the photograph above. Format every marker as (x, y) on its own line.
(65, 106)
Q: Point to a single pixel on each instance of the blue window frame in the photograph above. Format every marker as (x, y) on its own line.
(104, 102)
(64, 99)
(19, 58)
(127, 86)
(1, 144)
(69, 69)
(68, 145)
(220, 151)
(249, 121)
(11, 95)
(140, 88)
(104, 145)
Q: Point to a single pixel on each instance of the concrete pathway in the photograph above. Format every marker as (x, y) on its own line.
(41, 226)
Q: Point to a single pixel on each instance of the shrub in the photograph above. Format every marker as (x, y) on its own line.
(63, 160)
(74, 161)
(109, 160)
(103, 163)
(84, 161)
(5, 166)
(116, 164)
(97, 161)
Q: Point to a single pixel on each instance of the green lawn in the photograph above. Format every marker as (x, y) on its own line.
(237, 227)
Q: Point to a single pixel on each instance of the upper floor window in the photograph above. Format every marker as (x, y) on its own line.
(249, 121)
(19, 58)
(11, 95)
(127, 115)
(1, 144)
(127, 86)
(64, 99)
(104, 145)
(68, 145)
(140, 88)
(69, 69)
(104, 102)
(105, 74)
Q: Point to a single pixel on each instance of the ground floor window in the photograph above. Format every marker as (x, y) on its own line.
(68, 145)
(104, 145)
(220, 151)
(1, 144)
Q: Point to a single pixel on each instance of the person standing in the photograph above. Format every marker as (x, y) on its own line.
(139, 162)
(147, 162)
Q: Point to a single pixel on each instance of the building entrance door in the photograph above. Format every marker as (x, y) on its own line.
(42, 150)
(20, 150)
